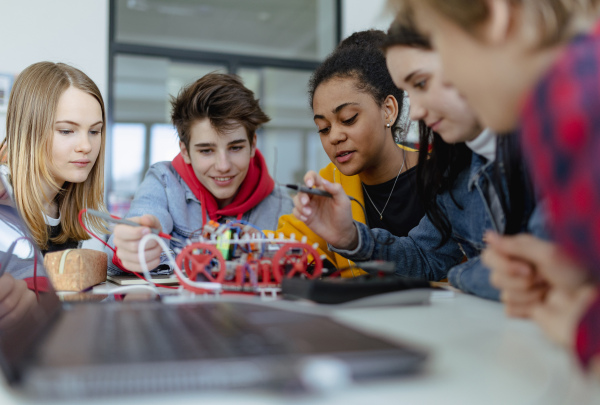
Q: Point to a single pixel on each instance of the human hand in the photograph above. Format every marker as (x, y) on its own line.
(561, 311)
(16, 300)
(520, 285)
(568, 289)
(330, 218)
(127, 240)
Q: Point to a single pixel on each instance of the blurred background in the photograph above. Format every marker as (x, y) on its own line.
(141, 52)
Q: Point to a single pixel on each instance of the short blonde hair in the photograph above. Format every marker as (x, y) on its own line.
(557, 20)
(27, 150)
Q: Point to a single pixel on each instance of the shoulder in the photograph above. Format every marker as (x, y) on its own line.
(279, 193)
(161, 169)
(165, 174)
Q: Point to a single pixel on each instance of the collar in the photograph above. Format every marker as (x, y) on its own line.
(51, 221)
(484, 145)
(479, 165)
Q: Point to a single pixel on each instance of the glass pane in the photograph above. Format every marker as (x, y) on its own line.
(128, 144)
(299, 29)
(164, 143)
(143, 86)
(289, 141)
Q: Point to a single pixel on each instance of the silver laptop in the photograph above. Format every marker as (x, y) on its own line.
(92, 349)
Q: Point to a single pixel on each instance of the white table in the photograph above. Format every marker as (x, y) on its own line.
(478, 356)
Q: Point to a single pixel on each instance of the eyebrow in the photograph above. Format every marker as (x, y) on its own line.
(410, 76)
(209, 144)
(335, 110)
(76, 124)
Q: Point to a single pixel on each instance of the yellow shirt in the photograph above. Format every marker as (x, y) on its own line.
(289, 224)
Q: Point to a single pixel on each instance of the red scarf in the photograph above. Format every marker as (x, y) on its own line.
(257, 185)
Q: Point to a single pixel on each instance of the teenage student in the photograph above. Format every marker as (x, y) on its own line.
(455, 181)
(357, 110)
(54, 149)
(543, 56)
(219, 175)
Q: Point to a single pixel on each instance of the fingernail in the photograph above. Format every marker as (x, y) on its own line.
(145, 231)
(310, 182)
(306, 211)
(304, 199)
(325, 182)
(303, 218)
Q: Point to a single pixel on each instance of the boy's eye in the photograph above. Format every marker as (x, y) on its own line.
(204, 151)
(350, 120)
(236, 148)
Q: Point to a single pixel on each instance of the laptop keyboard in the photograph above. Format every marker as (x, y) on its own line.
(180, 332)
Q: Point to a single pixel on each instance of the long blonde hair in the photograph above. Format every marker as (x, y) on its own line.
(557, 21)
(27, 149)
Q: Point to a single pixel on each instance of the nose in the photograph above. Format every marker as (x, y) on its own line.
(222, 163)
(337, 135)
(84, 145)
(417, 111)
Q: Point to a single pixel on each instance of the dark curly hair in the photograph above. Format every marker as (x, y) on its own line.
(359, 57)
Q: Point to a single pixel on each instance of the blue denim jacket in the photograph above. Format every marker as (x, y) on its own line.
(164, 194)
(417, 255)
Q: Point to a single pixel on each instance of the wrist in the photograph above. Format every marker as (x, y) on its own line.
(350, 239)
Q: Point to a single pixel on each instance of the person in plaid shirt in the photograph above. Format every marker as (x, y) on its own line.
(534, 66)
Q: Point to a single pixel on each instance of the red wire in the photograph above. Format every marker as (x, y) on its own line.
(114, 250)
(35, 286)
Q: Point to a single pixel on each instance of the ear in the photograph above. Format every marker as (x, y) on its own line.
(390, 109)
(497, 29)
(184, 153)
(253, 146)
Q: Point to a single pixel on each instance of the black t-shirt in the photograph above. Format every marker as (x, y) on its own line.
(404, 210)
(54, 231)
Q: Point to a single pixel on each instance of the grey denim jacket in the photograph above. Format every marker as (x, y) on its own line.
(164, 194)
(417, 255)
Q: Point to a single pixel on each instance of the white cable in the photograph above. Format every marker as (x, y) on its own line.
(141, 249)
(129, 288)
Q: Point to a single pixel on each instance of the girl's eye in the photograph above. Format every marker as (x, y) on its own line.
(95, 132)
(324, 131)
(421, 85)
(350, 121)
(65, 131)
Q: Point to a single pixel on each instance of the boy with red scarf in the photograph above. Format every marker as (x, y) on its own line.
(219, 174)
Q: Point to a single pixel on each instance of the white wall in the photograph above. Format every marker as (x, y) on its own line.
(359, 15)
(69, 31)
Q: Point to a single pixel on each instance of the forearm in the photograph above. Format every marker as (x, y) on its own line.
(415, 256)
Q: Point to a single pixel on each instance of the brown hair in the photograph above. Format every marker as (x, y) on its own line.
(223, 99)
(403, 32)
(27, 149)
(556, 20)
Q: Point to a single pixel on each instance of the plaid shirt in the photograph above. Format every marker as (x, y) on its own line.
(560, 128)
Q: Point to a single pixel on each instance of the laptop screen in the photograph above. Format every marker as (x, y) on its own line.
(21, 260)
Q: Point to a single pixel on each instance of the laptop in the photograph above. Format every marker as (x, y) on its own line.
(108, 348)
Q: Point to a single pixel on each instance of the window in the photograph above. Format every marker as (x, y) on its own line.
(159, 46)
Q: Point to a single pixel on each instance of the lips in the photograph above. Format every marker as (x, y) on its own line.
(81, 162)
(344, 156)
(223, 180)
(435, 125)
